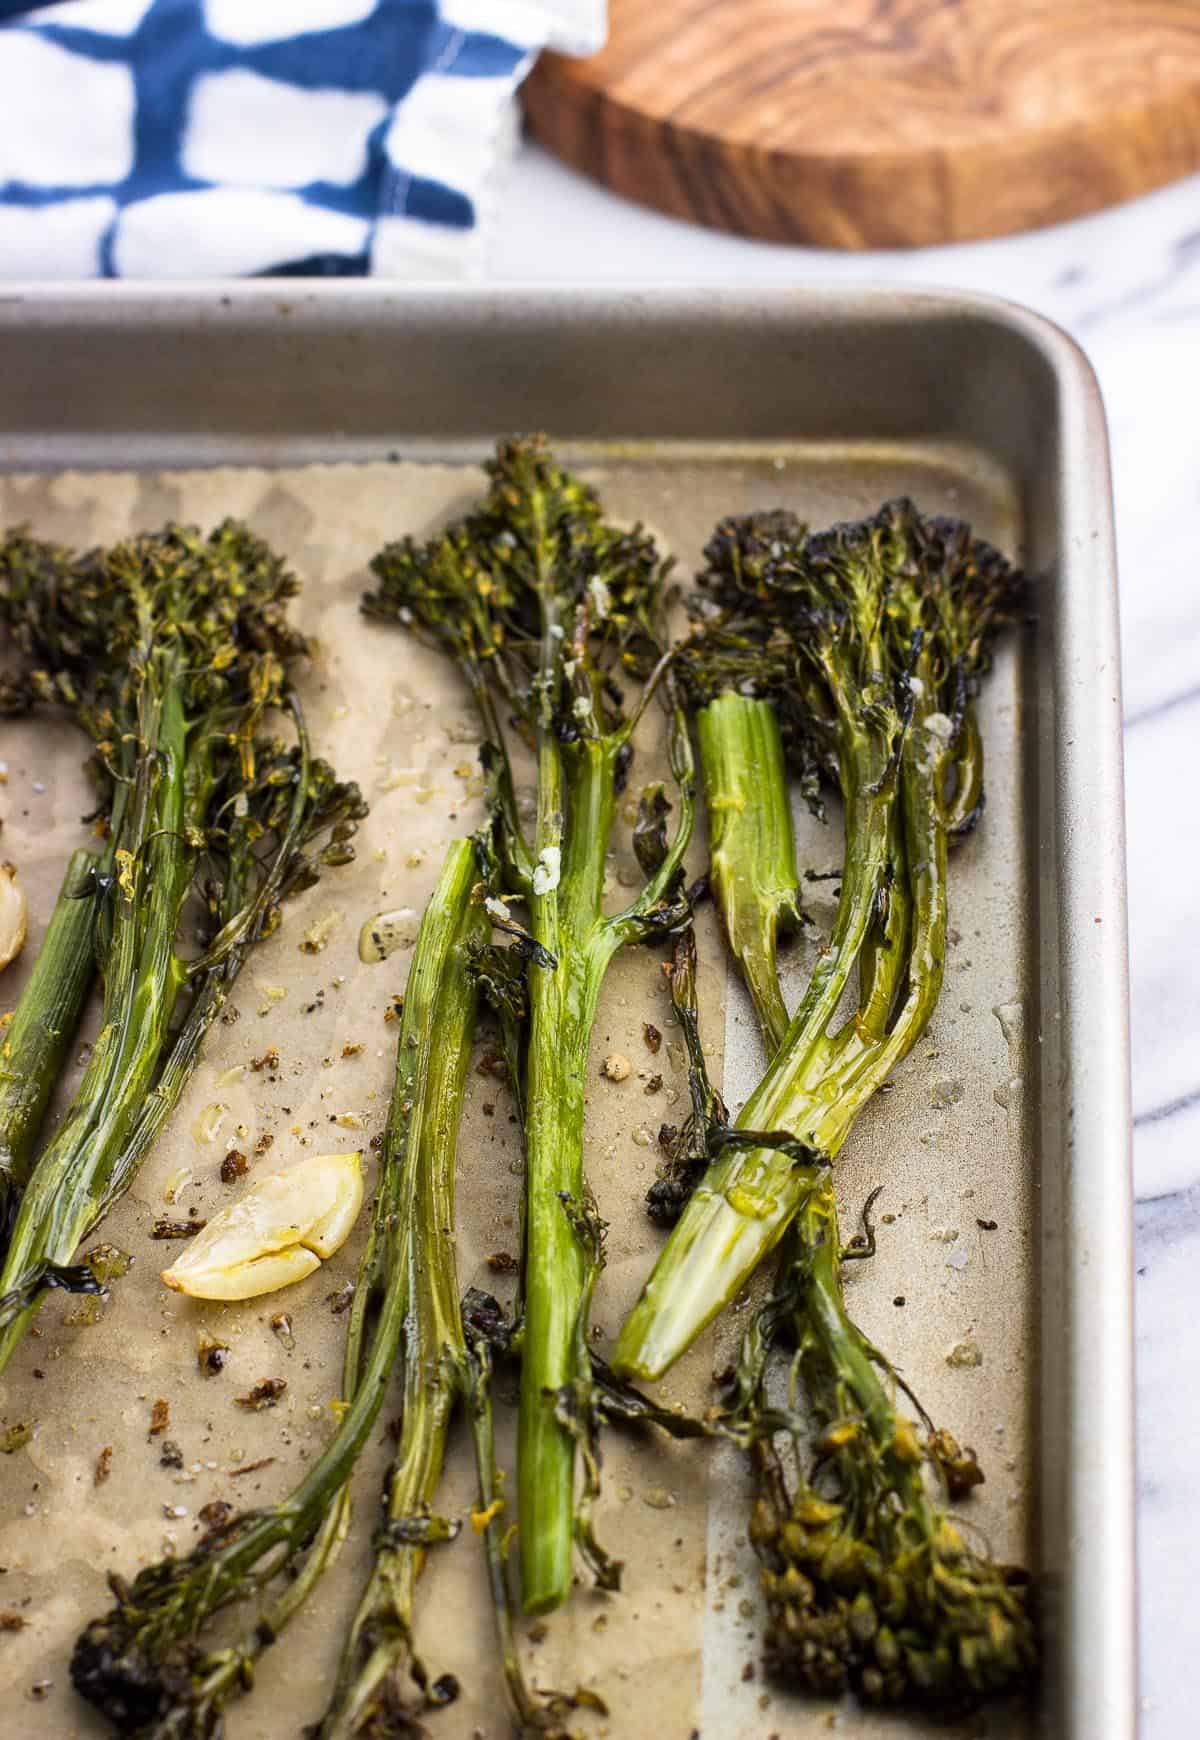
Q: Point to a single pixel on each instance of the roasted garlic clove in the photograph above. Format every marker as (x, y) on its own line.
(278, 1232)
(14, 915)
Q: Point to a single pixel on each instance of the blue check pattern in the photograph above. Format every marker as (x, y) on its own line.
(194, 138)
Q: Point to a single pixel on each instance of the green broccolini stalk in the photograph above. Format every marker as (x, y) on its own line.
(146, 1663)
(872, 637)
(543, 605)
(171, 651)
(34, 1046)
(381, 1675)
(751, 704)
(752, 853)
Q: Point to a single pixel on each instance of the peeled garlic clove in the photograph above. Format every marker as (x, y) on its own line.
(14, 915)
(280, 1230)
(331, 1232)
(246, 1280)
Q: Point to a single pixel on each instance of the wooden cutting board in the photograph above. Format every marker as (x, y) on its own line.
(879, 123)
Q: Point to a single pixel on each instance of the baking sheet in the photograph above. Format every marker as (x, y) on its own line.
(954, 1143)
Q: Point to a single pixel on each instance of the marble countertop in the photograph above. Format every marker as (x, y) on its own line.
(1126, 285)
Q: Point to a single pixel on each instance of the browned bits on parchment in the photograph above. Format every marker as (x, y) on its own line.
(177, 1229)
(103, 1466)
(250, 1467)
(215, 1512)
(212, 1356)
(160, 1416)
(233, 1166)
(265, 1394)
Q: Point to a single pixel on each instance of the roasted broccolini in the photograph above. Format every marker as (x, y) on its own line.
(171, 651)
(870, 639)
(147, 1664)
(544, 605)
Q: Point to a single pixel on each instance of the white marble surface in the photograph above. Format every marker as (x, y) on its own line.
(1126, 284)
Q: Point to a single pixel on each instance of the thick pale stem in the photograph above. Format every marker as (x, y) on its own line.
(752, 852)
(563, 1006)
(566, 920)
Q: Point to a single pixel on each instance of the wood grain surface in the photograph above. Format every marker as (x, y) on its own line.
(879, 123)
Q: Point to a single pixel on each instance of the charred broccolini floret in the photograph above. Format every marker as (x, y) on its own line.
(548, 610)
(171, 651)
(876, 634)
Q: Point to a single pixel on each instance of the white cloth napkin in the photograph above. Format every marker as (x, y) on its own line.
(208, 138)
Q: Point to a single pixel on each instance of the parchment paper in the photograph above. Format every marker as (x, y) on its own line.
(674, 1655)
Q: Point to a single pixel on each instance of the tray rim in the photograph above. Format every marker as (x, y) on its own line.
(1097, 1615)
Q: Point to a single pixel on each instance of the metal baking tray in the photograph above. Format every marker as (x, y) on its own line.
(691, 403)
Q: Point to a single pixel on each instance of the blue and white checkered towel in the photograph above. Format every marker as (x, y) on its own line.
(203, 138)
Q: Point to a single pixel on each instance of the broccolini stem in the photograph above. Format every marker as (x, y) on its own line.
(752, 853)
(379, 1654)
(248, 919)
(143, 977)
(922, 776)
(108, 1151)
(43, 1025)
(814, 1247)
(566, 921)
(496, 1535)
(966, 805)
(869, 792)
(884, 958)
